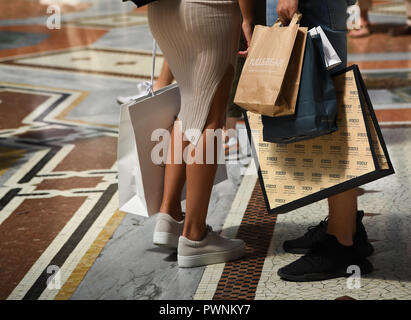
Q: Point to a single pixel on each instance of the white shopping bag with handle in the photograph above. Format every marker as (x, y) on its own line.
(140, 180)
(330, 55)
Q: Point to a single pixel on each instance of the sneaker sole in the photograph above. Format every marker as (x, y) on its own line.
(166, 239)
(210, 258)
(364, 251)
(296, 251)
(365, 266)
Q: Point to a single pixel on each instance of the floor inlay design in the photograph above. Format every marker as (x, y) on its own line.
(118, 63)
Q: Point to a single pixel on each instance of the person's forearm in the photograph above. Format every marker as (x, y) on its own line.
(247, 11)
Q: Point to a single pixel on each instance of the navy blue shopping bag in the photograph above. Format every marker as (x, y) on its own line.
(316, 109)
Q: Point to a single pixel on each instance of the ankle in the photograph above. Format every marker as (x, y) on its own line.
(345, 240)
(175, 213)
(194, 233)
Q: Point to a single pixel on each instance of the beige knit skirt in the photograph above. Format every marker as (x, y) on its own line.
(199, 40)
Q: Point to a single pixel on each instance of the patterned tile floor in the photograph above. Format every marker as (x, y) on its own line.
(58, 175)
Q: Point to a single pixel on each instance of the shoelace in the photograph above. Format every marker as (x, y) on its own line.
(313, 230)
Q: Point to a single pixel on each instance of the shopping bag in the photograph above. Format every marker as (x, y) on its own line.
(270, 79)
(297, 174)
(140, 179)
(316, 110)
(138, 176)
(331, 57)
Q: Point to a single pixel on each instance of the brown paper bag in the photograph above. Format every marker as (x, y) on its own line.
(297, 174)
(271, 75)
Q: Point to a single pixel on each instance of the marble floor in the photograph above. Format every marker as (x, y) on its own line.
(62, 235)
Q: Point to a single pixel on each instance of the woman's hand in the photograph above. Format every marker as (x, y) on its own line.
(286, 10)
(247, 29)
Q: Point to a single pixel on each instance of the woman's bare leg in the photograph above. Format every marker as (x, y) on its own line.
(174, 177)
(165, 78)
(200, 177)
(342, 216)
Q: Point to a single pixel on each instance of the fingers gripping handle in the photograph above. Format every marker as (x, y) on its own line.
(295, 20)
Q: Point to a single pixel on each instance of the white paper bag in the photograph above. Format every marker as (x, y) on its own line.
(140, 180)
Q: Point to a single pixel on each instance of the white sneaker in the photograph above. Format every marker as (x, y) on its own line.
(167, 231)
(214, 248)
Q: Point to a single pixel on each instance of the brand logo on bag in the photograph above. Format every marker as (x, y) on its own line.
(280, 173)
(266, 62)
(307, 188)
(280, 200)
(335, 148)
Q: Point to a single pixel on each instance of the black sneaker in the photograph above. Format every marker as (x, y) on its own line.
(327, 259)
(316, 233)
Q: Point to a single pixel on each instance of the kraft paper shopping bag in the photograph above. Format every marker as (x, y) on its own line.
(297, 174)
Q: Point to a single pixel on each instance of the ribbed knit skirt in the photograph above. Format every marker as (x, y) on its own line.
(199, 40)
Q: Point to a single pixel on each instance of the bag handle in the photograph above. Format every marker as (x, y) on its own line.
(295, 20)
(153, 66)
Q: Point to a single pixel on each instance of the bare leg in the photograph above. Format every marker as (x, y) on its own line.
(342, 216)
(165, 78)
(200, 177)
(174, 178)
(231, 123)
